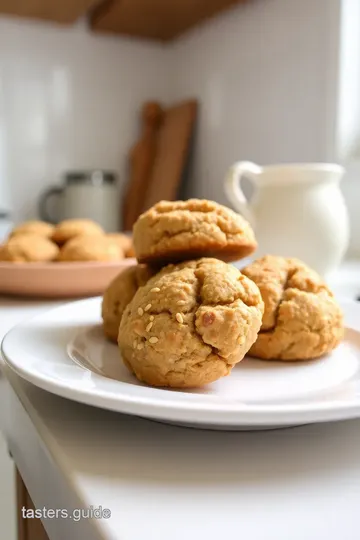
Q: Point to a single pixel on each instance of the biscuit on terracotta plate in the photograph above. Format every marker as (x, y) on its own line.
(90, 248)
(130, 253)
(70, 228)
(190, 324)
(124, 241)
(302, 320)
(118, 294)
(28, 248)
(183, 230)
(40, 228)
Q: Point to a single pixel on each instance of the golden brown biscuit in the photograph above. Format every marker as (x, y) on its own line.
(70, 228)
(28, 248)
(182, 230)
(118, 294)
(130, 254)
(124, 241)
(302, 320)
(90, 248)
(190, 324)
(40, 228)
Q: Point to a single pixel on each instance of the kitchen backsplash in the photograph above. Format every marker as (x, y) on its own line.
(68, 99)
(264, 89)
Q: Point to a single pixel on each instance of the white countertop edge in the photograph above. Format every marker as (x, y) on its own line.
(33, 447)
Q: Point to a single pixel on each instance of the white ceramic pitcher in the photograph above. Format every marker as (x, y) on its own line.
(297, 210)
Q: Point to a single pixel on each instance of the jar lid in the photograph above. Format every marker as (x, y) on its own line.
(96, 177)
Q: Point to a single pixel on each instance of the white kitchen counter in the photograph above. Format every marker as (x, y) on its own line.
(162, 482)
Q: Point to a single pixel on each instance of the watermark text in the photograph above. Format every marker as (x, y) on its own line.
(93, 512)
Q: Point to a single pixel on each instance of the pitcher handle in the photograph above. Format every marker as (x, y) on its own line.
(233, 189)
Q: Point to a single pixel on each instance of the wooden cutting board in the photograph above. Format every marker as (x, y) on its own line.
(173, 145)
(159, 158)
(142, 158)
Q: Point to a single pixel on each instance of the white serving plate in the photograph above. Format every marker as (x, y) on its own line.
(64, 351)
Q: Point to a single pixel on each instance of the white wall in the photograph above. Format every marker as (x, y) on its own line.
(68, 99)
(348, 112)
(266, 77)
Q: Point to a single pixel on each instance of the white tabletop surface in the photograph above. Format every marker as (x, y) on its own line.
(162, 482)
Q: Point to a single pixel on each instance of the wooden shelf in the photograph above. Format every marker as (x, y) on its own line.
(161, 20)
(60, 11)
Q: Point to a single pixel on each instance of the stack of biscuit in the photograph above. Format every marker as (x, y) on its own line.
(183, 317)
(72, 240)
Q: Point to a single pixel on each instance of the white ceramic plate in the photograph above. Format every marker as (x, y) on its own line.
(64, 351)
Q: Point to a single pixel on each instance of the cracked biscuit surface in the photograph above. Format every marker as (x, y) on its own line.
(182, 230)
(118, 294)
(302, 320)
(190, 324)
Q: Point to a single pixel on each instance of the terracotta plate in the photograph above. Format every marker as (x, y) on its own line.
(59, 280)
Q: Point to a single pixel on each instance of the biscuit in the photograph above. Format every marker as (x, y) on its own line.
(118, 294)
(90, 248)
(70, 228)
(301, 320)
(40, 228)
(130, 253)
(124, 241)
(190, 324)
(182, 230)
(23, 248)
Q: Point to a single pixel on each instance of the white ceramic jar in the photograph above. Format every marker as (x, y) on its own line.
(5, 225)
(85, 194)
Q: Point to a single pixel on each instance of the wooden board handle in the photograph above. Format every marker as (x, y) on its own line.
(142, 157)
